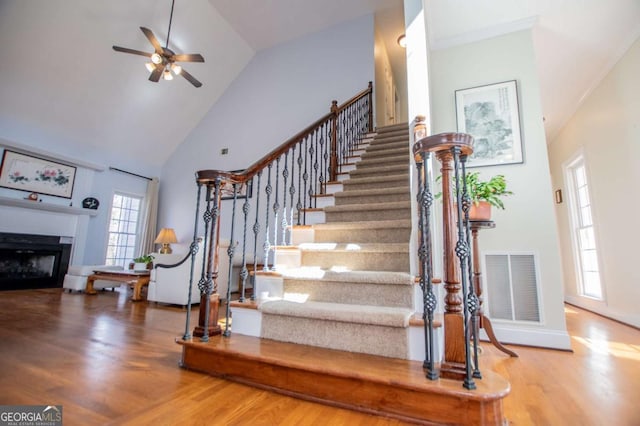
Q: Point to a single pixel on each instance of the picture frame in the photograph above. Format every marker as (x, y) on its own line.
(25, 172)
(491, 115)
(245, 191)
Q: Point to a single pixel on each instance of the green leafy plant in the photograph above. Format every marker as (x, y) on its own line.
(147, 258)
(491, 190)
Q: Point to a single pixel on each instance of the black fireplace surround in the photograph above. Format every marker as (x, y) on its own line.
(33, 261)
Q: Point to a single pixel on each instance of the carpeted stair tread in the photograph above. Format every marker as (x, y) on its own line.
(391, 129)
(340, 312)
(389, 152)
(395, 142)
(377, 224)
(382, 192)
(368, 207)
(384, 161)
(362, 277)
(392, 169)
(356, 248)
(377, 179)
(372, 231)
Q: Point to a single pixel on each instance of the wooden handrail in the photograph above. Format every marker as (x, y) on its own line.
(205, 176)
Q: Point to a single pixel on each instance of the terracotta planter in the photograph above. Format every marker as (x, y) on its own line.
(480, 211)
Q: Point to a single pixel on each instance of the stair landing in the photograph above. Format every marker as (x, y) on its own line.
(389, 387)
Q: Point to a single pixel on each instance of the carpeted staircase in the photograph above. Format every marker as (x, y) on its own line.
(353, 290)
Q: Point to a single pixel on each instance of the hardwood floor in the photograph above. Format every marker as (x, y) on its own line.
(110, 361)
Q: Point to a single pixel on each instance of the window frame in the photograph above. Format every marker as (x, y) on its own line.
(140, 197)
(576, 225)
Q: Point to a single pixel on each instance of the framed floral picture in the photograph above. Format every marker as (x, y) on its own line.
(490, 114)
(32, 174)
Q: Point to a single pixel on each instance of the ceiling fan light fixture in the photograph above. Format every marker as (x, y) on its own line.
(150, 66)
(156, 58)
(167, 75)
(177, 69)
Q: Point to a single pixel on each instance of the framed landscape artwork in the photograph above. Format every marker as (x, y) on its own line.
(490, 114)
(33, 174)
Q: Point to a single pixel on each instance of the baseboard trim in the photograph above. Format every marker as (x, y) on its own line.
(543, 338)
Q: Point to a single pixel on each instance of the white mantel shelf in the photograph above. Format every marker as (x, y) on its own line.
(28, 204)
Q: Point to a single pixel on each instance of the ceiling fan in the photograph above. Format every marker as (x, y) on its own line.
(163, 60)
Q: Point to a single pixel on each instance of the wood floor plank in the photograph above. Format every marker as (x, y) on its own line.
(109, 361)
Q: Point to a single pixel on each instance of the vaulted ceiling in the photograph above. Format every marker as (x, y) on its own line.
(63, 87)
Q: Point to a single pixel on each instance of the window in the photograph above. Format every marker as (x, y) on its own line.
(585, 250)
(123, 229)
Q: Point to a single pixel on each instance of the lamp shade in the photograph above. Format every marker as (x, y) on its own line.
(166, 236)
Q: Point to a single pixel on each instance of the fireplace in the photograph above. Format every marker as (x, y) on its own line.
(33, 261)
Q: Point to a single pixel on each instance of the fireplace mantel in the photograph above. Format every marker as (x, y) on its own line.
(15, 202)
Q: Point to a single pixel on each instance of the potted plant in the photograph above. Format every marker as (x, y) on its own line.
(484, 194)
(142, 263)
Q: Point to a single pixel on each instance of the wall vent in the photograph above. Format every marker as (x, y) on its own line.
(512, 287)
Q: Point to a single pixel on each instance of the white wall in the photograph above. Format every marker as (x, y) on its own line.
(384, 86)
(528, 224)
(606, 128)
(280, 92)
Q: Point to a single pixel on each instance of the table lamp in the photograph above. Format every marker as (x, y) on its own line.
(166, 237)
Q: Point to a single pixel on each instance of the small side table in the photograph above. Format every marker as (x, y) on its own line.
(484, 321)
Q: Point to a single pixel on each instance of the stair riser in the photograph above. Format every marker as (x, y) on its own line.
(390, 295)
(372, 339)
(384, 235)
(367, 199)
(352, 260)
(367, 215)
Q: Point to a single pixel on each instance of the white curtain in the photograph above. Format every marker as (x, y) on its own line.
(150, 219)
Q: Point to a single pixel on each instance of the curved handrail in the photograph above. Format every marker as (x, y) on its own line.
(204, 176)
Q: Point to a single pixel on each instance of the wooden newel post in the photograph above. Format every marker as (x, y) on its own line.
(333, 176)
(208, 312)
(454, 353)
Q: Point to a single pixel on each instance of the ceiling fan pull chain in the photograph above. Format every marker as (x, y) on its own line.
(173, 2)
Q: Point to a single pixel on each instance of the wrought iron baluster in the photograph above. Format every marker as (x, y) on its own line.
(313, 150)
(244, 273)
(266, 246)
(323, 162)
(212, 214)
(256, 231)
(285, 176)
(276, 207)
(292, 193)
(194, 251)
(305, 178)
(425, 201)
(473, 303)
(316, 175)
(230, 251)
(462, 251)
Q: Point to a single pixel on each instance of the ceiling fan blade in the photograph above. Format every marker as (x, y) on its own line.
(193, 57)
(156, 73)
(152, 38)
(191, 79)
(132, 51)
